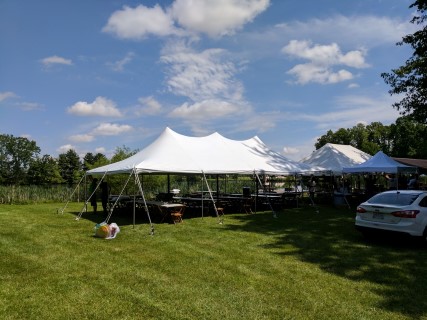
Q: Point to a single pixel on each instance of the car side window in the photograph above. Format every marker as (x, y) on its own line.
(423, 202)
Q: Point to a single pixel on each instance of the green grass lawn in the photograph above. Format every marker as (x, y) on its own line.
(301, 265)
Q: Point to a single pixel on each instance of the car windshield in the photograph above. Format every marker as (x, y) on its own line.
(395, 198)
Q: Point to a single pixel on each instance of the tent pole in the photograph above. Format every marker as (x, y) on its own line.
(134, 201)
(217, 187)
(256, 190)
(145, 204)
(268, 197)
(213, 201)
(118, 198)
(69, 198)
(202, 194)
(296, 189)
(87, 199)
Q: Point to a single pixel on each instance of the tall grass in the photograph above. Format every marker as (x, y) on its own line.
(23, 194)
(152, 185)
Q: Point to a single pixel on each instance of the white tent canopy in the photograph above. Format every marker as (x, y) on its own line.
(380, 162)
(335, 157)
(172, 152)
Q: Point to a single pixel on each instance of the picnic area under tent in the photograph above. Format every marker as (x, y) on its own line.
(335, 157)
(378, 173)
(174, 153)
(380, 162)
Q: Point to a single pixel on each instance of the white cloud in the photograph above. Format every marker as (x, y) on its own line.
(100, 150)
(290, 150)
(82, 138)
(351, 110)
(349, 30)
(207, 110)
(49, 61)
(30, 106)
(111, 129)
(208, 79)
(100, 107)
(309, 72)
(65, 148)
(212, 17)
(200, 75)
(258, 122)
(322, 59)
(216, 17)
(7, 95)
(148, 106)
(140, 22)
(119, 65)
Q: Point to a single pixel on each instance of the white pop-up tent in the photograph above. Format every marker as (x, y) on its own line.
(174, 153)
(380, 162)
(335, 157)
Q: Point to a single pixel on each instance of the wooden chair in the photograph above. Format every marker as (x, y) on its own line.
(219, 208)
(177, 214)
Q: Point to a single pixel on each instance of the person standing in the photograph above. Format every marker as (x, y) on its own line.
(312, 187)
(105, 194)
(92, 192)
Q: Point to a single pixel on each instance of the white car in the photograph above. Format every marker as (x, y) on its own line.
(403, 211)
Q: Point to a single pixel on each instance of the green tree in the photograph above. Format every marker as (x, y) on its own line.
(408, 137)
(44, 171)
(70, 167)
(88, 161)
(405, 138)
(378, 138)
(100, 160)
(91, 161)
(341, 136)
(359, 136)
(122, 153)
(411, 78)
(16, 155)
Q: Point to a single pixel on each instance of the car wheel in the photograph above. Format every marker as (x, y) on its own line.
(365, 232)
(424, 237)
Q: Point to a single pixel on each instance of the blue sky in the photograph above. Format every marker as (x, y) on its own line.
(101, 74)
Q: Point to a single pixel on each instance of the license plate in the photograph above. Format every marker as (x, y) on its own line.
(378, 216)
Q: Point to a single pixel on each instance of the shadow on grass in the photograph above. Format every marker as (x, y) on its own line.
(121, 217)
(394, 265)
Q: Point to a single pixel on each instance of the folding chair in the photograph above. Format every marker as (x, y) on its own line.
(177, 214)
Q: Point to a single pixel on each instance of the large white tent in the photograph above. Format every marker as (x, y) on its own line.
(172, 152)
(175, 153)
(335, 157)
(380, 162)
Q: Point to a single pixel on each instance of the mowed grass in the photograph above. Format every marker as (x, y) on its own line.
(300, 265)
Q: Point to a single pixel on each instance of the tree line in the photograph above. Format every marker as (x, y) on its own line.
(406, 138)
(21, 163)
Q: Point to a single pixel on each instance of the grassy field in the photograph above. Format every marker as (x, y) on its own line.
(301, 265)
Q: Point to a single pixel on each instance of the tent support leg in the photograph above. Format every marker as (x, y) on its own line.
(268, 198)
(145, 203)
(87, 200)
(69, 199)
(118, 198)
(220, 217)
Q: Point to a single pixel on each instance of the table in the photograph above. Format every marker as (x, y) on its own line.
(175, 211)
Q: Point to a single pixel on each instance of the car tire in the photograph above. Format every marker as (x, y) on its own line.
(365, 232)
(424, 237)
